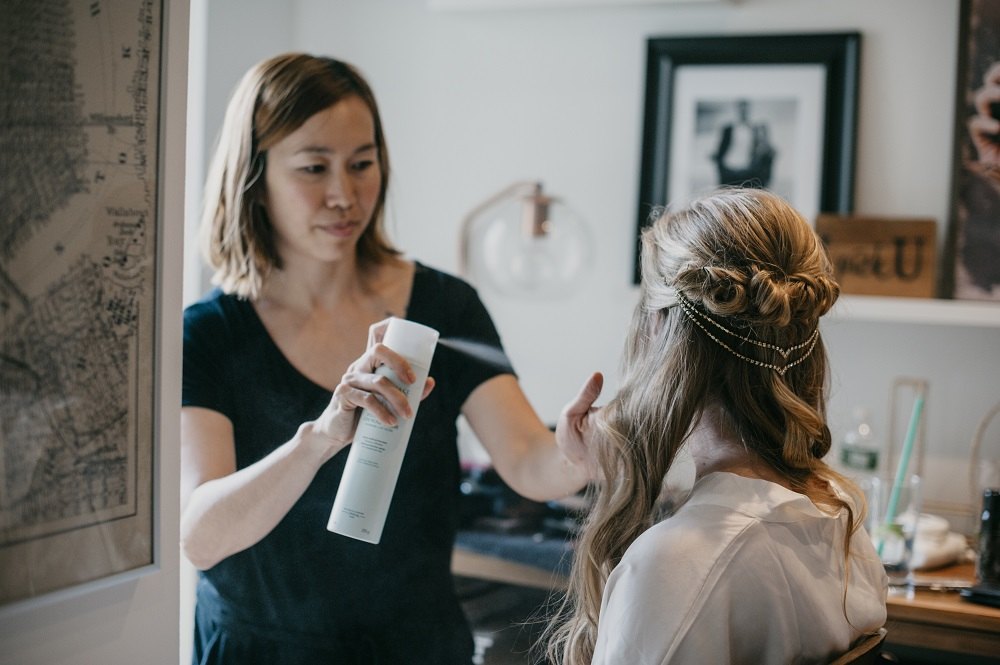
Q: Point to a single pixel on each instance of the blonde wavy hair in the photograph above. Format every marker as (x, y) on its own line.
(747, 260)
(272, 100)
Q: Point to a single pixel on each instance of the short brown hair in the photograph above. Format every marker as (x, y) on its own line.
(273, 99)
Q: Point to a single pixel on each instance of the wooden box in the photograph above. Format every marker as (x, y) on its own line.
(881, 256)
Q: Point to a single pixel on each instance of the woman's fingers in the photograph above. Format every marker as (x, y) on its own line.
(377, 392)
(575, 428)
(583, 403)
(350, 398)
(379, 355)
(376, 332)
(428, 387)
(378, 381)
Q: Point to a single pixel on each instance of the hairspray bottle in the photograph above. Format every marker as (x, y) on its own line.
(375, 457)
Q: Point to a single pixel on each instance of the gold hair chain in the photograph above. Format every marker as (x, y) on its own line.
(697, 317)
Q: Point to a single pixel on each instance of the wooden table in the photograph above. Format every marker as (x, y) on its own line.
(521, 559)
(486, 567)
(943, 620)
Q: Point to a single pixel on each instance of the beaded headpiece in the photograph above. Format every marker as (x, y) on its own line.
(697, 317)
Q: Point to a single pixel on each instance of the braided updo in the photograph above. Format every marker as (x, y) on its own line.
(742, 253)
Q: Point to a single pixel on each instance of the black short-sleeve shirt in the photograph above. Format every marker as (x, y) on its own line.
(303, 594)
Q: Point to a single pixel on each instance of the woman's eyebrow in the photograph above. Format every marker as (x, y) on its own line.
(324, 150)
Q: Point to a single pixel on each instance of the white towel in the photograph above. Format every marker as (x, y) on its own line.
(935, 546)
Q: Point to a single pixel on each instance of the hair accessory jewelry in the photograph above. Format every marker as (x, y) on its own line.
(697, 317)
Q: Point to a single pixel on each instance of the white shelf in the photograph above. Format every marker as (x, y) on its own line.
(474, 5)
(928, 311)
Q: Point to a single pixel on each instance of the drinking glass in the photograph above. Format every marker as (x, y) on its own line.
(893, 512)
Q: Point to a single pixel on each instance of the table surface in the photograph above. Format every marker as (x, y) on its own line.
(943, 620)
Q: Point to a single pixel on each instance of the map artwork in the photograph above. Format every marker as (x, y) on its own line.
(78, 230)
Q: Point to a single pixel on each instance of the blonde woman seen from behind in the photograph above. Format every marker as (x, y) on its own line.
(766, 560)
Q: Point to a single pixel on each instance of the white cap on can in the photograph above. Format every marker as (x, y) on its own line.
(411, 340)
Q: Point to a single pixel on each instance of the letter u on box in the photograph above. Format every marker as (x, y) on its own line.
(881, 256)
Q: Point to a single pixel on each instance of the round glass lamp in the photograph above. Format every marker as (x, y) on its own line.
(523, 242)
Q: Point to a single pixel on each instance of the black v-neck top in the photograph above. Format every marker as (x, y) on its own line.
(303, 593)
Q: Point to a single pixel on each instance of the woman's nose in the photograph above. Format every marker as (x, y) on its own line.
(339, 192)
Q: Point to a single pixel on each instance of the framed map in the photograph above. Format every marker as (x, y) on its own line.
(79, 130)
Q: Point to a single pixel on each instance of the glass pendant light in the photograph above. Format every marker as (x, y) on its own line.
(525, 243)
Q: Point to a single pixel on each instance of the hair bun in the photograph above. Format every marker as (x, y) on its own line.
(762, 296)
(774, 298)
(779, 300)
(723, 291)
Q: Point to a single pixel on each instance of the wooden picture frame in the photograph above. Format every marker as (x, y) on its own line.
(790, 100)
(80, 298)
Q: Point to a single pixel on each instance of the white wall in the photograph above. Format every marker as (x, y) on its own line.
(226, 38)
(133, 621)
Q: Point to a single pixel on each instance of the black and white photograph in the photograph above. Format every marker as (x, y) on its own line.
(744, 134)
(775, 112)
(769, 139)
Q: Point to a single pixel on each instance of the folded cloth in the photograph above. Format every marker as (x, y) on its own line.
(935, 546)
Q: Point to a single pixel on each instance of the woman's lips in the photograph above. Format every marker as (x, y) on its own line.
(340, 229)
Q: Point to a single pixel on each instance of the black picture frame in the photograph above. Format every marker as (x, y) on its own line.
(970, 269)
(829, 63)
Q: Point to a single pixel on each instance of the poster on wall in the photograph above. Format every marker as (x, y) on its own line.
(974, 240)
(78, 247)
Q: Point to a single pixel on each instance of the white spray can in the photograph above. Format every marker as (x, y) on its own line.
(375, 456)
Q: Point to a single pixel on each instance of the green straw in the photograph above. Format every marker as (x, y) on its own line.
(904, 462)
